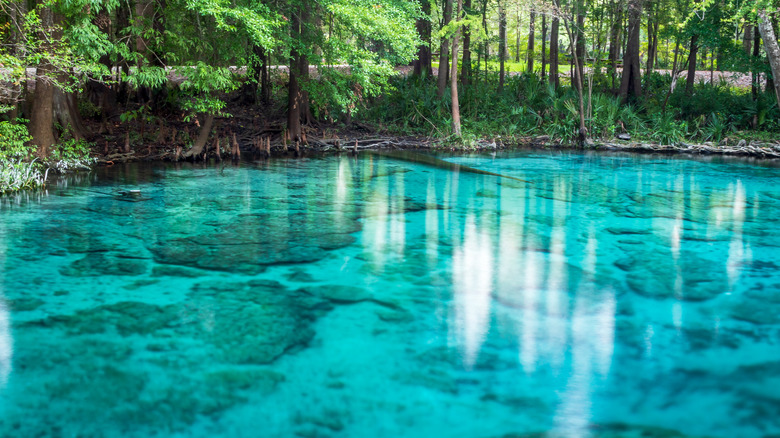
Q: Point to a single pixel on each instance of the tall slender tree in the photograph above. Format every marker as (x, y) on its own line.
(444, 50)
(531, 33)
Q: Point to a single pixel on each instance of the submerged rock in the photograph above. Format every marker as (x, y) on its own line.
(339, 293)
(756, 312)
(253, 322)
(126, 318)
(98, 264)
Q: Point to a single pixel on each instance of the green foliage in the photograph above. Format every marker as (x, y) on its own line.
(13, 141)
(17, 171)
(666, 129)
(71, 155)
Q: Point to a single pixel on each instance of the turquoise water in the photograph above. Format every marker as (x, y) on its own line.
(610, 295)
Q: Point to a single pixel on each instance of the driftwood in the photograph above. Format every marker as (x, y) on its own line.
(752, 149)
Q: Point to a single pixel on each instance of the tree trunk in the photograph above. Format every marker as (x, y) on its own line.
(203, 137)
(122, 23)
(652, 39)
(691, 79)
(771, 47)
(675, 72)
(631, 83)
(554, 52)
(501, 44)
(755, 76)
(517, 36)
(747, 39)
(615, 39)
(544, 47)
(422, 65)
(265, 79)
(582, 134)
(465, 71)
(531, 33)
(579, 36)
(41, 125)
(66, 111)
(294, 93)
(42, 113)
(454, 77)
(485, 44)
(444, 51)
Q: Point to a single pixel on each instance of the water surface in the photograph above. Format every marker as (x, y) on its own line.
(610, 295)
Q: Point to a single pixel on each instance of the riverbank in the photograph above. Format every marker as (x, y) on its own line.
(264, 144)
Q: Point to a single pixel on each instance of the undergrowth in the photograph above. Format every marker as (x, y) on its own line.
(20, 169)
(528, 106)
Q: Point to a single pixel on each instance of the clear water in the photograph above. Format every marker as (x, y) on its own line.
(611, 295)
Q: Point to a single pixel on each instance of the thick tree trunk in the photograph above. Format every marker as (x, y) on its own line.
(501, 45)
(531, 33)
(444, 51)
(454, 77)
(465, 71)
(631, 83)
(66, 111)
(554, 52)
(422, 65)
(41, 125)
(42, 113)
(691, 79)
(771, 47)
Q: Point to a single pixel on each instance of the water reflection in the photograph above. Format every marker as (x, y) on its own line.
(6, 343)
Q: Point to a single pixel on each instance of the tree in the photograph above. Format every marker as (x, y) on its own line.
(631, 83)
(531, 31)
(454, 75)
(501, 44)
(423, 63)
(444, 49)
(554, 52)
(767, 30)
